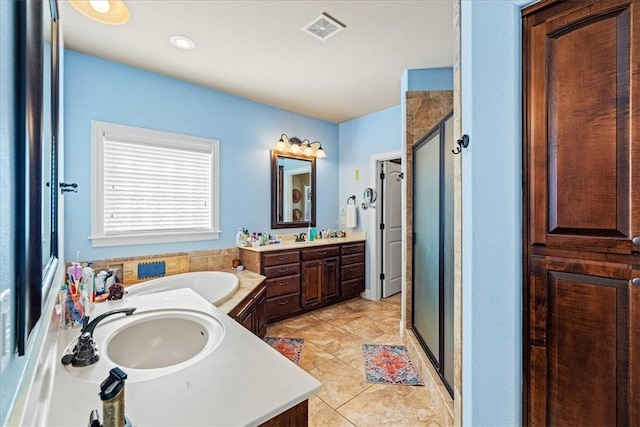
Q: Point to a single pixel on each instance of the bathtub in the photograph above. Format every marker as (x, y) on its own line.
(214, 286)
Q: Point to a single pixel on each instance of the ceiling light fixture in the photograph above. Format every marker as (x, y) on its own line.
(110, 12)
(296, 146)
(182, 42)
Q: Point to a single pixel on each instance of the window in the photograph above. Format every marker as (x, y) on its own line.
(152, 187)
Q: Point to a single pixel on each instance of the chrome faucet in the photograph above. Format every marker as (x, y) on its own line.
(300, 237)
(86, 352)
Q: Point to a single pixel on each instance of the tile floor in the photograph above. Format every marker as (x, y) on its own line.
(332, 353)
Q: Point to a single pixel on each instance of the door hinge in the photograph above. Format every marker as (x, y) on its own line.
(382, 175)
(382, 226)
(381, 276)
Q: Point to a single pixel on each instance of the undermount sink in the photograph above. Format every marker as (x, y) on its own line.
(151, 344)
(162, 340)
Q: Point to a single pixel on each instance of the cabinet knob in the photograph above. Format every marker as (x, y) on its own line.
(283, 302)
(636, 240)
(636, 281)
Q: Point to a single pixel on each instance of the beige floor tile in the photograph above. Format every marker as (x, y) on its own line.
(338, 316)
(348, 349)
(321, 333)
(322, 415)
(301, 321)
(390, 326)
(391, 405)
(282, 330)
(388, 339)
(364, 327)
(340, 382)
(313, 356)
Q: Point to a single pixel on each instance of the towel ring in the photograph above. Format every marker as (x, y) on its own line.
(352, 198)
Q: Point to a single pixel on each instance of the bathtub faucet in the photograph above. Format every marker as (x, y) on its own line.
(85, 352)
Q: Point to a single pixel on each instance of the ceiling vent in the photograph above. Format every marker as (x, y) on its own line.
(323, 27)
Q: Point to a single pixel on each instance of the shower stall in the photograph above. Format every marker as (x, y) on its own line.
(432, 311)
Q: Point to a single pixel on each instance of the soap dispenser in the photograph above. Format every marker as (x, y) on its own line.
(112, 396)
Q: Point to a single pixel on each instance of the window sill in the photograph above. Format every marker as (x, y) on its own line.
(145, 239)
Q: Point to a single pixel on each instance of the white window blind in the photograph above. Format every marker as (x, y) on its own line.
(153, 186)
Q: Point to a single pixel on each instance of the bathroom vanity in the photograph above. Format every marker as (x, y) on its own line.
(304, 276)
(239, 380)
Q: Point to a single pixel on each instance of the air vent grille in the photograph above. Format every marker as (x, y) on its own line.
(323, 27)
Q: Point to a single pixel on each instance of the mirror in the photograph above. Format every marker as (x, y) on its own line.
(293, 190)
(37, 243)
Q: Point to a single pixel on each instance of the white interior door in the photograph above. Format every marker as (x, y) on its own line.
(392, 231)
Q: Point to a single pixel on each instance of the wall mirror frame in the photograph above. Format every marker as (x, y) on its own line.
(38, 125)
(293, 190)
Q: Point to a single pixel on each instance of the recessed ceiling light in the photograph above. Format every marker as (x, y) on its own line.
(111, 12)
(182, 42)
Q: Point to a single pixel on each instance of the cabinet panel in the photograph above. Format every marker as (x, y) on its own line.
(311, 283)
(586, 327)
(352, 259)
(283, 285)
(324, 252)
(352, 271)
(283, 305)
(330, 279)
(245, 317)
(352, 287)
(352, 248)
(282, 270)
(260, 305)
(278, 258)
(582, 151)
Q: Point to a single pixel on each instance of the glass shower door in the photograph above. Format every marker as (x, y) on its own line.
(433, 287)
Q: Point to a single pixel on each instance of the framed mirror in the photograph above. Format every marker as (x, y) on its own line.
(37, 241)
(293, 190)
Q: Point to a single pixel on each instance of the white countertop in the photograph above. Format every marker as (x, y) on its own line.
(353, 237)
(243, 382)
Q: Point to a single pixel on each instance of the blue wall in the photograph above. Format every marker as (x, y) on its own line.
(491, 216)
(97, 89)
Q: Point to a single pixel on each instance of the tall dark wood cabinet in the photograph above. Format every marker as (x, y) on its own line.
(581, 171)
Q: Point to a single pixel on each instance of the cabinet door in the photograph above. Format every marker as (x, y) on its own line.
(245, 316)
(330, 278)
(311, 283)
(583, 112)
(583, 317)
(260, 311)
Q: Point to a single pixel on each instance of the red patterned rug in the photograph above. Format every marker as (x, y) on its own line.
(389, 364)
(291, 348)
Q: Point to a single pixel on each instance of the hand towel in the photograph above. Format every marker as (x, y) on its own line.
(352, 216)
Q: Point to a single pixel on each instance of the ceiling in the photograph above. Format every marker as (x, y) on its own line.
(257, 50)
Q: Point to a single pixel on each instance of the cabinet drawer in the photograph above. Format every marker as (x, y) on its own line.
(327, 251)
(282, 270)
(352, 248)
(279, 258)
(283, 305)
(352, 271)
(352, 287)
(352, 259)
(283, 285)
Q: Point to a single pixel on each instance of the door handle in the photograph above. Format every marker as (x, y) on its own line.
(636, 240)
(636, 281)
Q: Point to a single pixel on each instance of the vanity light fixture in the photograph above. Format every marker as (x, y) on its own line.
(110, 12)
(296, 146)
(182, 42)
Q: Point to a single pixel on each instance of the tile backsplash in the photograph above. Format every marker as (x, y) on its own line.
(215, 259)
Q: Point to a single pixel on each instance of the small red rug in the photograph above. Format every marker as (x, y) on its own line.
(389, 364)
(291, 348)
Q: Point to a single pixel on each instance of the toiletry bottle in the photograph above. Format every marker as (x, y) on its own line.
(112, 396)
(239, 237)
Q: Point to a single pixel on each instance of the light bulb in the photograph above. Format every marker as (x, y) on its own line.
(101, 6)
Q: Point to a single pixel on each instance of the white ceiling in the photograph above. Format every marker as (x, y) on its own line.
(257, 50)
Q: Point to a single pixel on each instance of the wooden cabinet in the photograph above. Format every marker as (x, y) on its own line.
(581, 159)
(251, 312)
(308, 278)
(353, 270)
(320, 276)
